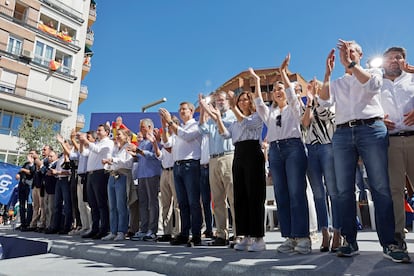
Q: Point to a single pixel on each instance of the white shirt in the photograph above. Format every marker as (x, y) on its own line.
(98, 151)
(397, 98)
(121, 159)
(187, 144)
(354, 100)
(290, 117)
(166, 158)
(205, 150)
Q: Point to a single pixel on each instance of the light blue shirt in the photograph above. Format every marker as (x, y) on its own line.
(217, 143)
(148, 164)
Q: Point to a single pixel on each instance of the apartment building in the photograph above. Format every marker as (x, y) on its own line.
(45, 53)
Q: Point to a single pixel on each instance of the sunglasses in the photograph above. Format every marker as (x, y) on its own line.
(279, 120)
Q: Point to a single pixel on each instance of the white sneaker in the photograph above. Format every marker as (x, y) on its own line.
(119, 237)
(257, 245)
(288, 246)
(303, 245)
(138, 236)
(243, 244)
(109, 237)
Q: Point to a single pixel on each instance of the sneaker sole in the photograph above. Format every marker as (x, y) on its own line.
(340, 254)
(405, 261)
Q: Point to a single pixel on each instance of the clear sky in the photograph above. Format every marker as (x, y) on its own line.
(145, 50)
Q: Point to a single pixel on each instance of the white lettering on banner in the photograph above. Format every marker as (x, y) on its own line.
(5, 181)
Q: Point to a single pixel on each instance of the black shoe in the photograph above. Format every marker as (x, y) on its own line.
(51, 231)
(89, 235)
(208, 234)
(99, 236)
(219, 242)
(63, 232)
(195, 241)
(165, 238)
(25, 229)
(39, 229)
(179, 240)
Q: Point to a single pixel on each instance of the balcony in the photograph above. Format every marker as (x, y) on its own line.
(83, 94)
(90, 37)
(80, 122)
(92, 14)
(86, 66)
(65, 9)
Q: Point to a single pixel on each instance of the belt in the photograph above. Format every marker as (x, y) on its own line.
(181, 162)
(221, 154)
(359, 122)
(167, 169)
(96, 171)
(62, 177)
(403, 133)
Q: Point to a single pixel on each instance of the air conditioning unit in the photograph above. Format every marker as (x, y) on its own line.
(26, 54)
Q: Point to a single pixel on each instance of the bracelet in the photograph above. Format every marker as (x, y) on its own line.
(352, 64)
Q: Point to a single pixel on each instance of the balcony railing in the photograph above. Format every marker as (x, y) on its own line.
(84, 89)
(65, 9)
(45, 62)
(80, 118)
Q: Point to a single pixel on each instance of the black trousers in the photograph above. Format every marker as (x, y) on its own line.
(249, 188)
(98, 200)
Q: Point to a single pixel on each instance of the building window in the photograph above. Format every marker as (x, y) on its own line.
(43, 53)
(15, 46)
(8, 81)
(65, 61)
(17, 122)
(6, 119)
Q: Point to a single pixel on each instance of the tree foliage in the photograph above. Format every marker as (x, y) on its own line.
(35, 133)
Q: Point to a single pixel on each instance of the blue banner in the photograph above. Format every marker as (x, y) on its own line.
(7, 181)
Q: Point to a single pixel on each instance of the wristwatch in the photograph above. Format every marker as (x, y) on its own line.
(352, 64)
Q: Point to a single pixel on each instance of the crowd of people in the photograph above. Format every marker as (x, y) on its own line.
(196, 171)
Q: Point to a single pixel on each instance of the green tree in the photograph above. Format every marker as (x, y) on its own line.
(34, 134)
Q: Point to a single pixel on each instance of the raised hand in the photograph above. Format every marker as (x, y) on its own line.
(285, 64)
(60, 138)
(344, 52)
(330, 62)
(406, 67)
(232, 98)
(253, 73)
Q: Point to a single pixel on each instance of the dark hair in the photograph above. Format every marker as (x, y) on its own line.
(92, 133)
(106, 128)
(396, 49)
(252, 107)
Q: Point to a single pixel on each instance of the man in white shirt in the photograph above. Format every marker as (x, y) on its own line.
(186, 152)
(397, 100)
(97, 181)
(360, 131)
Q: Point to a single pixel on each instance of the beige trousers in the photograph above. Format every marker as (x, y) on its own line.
(400, 164)
(221, 185)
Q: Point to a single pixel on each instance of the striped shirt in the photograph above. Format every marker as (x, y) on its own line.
(322, 126)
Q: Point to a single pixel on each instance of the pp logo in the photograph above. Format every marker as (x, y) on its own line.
(5, 181)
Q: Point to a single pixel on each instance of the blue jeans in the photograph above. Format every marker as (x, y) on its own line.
(117, 198)
(321, 172)
(288, 162)
(62, 199)
(187, 186)
(371, 143)
(206, 197)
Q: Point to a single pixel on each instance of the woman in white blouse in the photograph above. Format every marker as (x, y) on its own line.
(248, 169)
(287, 161)
(120, 170)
